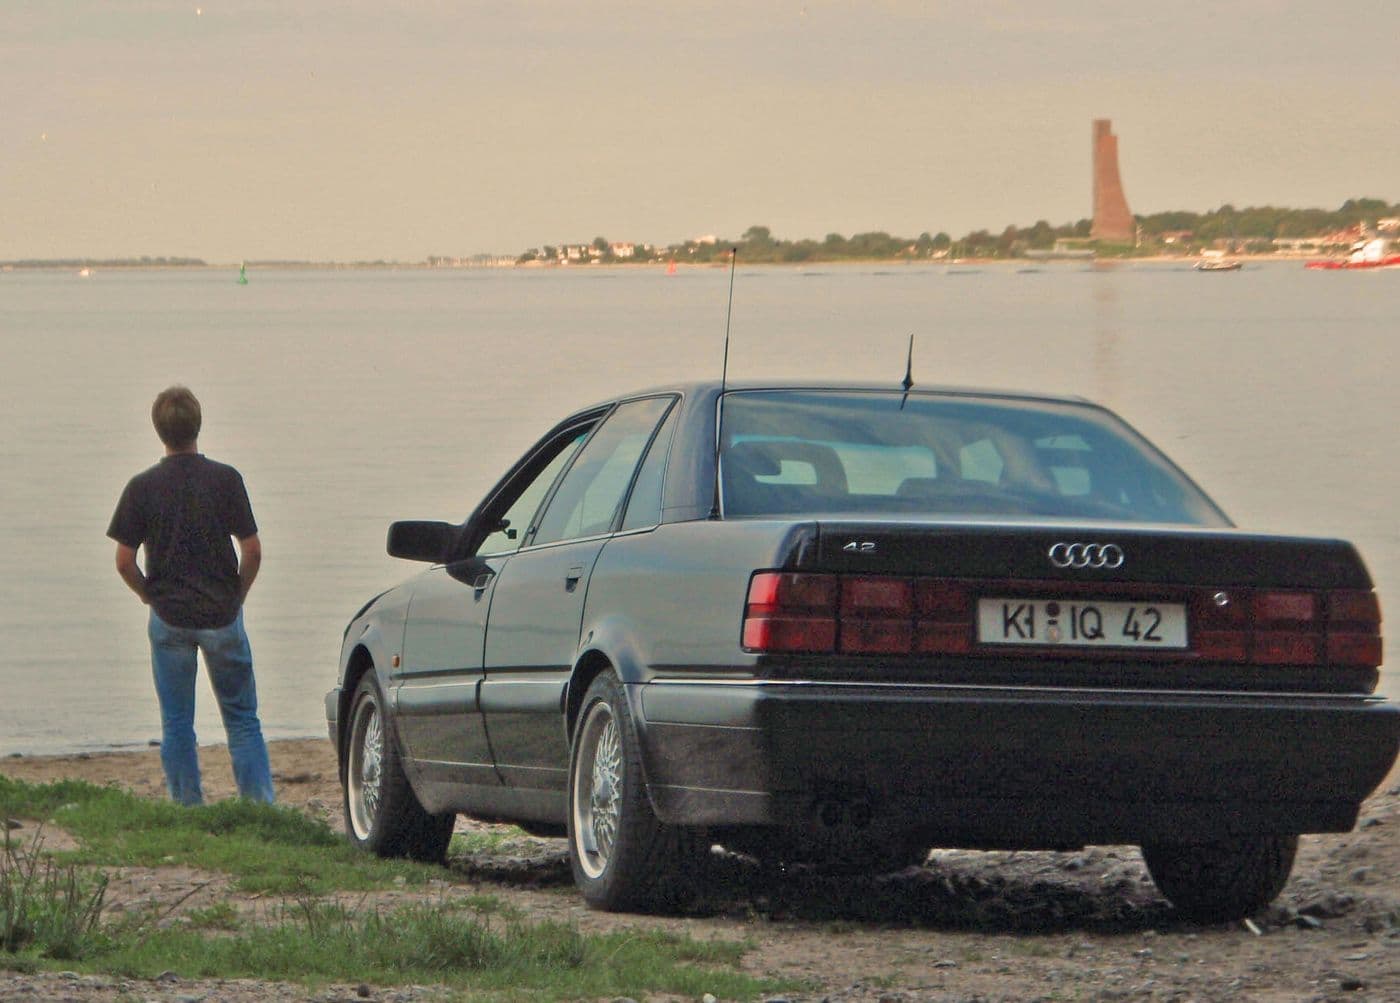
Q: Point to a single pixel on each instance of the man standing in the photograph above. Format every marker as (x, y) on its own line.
(186, 510)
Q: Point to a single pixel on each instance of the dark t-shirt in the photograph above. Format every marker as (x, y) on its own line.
(184, 510)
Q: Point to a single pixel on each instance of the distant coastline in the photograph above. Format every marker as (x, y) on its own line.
(1253, 232)
(94, 265)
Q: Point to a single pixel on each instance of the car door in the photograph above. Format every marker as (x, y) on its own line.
(437, 699)
(437, 714)
(537, 611)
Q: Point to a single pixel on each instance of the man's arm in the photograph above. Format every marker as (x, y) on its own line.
(131, 572)
(249, 560)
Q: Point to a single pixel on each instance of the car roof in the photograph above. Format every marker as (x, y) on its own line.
(709, 388)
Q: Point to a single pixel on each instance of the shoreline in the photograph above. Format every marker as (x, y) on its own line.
(304, 771)
(101, 748)
(397, 266)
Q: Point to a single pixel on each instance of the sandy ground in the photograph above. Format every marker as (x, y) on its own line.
(966, 926)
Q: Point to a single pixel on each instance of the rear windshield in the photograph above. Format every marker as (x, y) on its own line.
(805, 452)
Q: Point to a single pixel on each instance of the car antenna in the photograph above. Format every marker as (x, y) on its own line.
(908, 382)
(723, 379)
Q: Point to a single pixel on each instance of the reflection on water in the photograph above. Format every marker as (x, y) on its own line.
(1108, 329)
(349, 399)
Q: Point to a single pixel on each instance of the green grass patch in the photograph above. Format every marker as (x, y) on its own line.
(425, 945)
(476, 943)
(265, 848)
(491, 841)
(219, 916)
(45, 906)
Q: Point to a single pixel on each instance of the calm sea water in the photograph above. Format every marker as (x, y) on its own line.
(350, 399)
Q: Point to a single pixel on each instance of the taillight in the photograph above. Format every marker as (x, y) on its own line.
(1287, 630)
(811, 612)
(821, 613)
(1288, 627)
(944, 624)
(1220, 627)
(790, 612)
(1353, 628)
(1287, 610)
(877, 615)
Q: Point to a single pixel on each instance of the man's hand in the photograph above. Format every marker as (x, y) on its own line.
(249, 560)
(131, 572)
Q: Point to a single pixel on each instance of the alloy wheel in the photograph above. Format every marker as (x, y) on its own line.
(597, 794)
(364, 772)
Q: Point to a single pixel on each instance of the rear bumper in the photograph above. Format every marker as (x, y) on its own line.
(1009, 767)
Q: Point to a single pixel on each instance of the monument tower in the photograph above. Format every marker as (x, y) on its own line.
(1113, 222)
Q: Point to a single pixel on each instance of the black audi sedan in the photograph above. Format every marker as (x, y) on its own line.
(841, 625)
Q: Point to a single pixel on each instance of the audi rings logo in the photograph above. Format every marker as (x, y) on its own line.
(1086, 555)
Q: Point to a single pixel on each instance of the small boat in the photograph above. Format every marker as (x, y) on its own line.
(1373, 253)
(1215, 261)
(242, 274)
(84, 273)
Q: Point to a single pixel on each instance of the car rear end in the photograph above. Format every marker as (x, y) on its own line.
(1203, 685)
(1012, 623)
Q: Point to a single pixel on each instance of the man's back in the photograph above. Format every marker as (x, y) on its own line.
(186, 510)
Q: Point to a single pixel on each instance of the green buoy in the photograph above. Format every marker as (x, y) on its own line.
(242, 274)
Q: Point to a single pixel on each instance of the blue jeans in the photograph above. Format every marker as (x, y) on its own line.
(229, 662)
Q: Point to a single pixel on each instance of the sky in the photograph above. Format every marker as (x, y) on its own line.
(344, 130)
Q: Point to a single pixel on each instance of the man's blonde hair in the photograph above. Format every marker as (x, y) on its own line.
(176, 417)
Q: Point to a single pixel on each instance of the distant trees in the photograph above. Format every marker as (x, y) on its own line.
(1041, 236)
(1253, 227)
(1265, 223)
(144, 261)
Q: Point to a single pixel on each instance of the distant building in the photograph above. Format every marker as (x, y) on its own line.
(1319, 243)
(1299, 245)
(1113, 221)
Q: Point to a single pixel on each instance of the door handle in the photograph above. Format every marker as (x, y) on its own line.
(572, 576)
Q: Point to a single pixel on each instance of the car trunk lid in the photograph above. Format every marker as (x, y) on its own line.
(1164, 555)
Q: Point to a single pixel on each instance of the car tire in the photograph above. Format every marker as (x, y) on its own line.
(382, 814)
(1221, 881)
(622, 857)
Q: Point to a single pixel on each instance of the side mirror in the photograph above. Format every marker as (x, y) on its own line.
(421, 541)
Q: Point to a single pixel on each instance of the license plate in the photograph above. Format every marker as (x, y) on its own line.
(1081, 623)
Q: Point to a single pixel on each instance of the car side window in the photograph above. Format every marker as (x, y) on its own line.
(515, 522)
(589, 496)
(644, 508)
